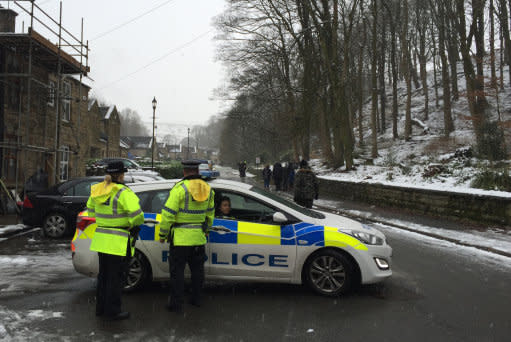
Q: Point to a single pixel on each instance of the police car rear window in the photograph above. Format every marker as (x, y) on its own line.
(292, 205)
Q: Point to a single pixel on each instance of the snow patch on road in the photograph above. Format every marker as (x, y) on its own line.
(11, 228)
(21, 273)
(18, 326)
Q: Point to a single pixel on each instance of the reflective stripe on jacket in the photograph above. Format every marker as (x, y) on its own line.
(191, 203)
(116, 209)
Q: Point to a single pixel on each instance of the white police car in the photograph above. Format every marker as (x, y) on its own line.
(267, 239)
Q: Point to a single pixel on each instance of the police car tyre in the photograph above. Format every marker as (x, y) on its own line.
(329, 272)
(55, 225)
(138, 272)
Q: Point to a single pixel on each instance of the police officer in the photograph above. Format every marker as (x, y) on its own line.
(117, 211)
(186, 218)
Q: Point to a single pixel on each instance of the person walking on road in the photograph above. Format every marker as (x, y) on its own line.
(277, 175)
(117, 212)
(186, 218)
(267, 176)
(306, 186)
(291, 176)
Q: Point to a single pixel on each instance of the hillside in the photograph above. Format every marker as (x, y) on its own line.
(429, 159)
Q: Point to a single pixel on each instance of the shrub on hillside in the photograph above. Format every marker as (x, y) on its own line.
(489, 179)
(491, 144)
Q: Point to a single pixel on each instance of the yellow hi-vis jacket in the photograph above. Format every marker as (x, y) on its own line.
(191, 204)
(117, 210)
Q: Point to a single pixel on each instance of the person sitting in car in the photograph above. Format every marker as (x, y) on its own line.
(224, 209)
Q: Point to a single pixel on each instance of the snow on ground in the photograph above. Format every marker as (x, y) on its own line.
(497, 239)
(410, 163)
(19, 325)
(11, 228)
(32, 272)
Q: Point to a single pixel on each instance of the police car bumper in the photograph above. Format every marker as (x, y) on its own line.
(85, 261)
(377, 263)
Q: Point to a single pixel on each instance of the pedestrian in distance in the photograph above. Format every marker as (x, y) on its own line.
(118, 215)
(267, 176)
(243, 169)
(186, 218)
(277, 175)
(285, 177)
(306, 186)
(291, 175)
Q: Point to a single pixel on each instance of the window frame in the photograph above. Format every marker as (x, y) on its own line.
(51, 94)
(64, 163)
(66, 101)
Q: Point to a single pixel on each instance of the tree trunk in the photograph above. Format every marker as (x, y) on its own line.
(406, 63)
(448, 123)
(504, 24)
(374, 90)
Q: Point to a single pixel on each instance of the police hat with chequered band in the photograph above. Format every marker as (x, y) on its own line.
(116, 167)
(191, 163)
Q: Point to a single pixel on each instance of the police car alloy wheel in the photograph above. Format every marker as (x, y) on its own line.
(329, 273)
(138, 273)
(55, 225)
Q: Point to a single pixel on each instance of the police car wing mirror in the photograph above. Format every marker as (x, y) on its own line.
(278, 217)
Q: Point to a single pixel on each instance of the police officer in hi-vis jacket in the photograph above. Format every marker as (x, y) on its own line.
(186, 218)
(117, 211)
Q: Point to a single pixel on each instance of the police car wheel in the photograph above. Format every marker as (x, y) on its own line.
(329, 273)
(138, 272)
(55, 225)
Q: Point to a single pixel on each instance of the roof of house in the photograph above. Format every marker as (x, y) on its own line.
(106, 112)
(138, 142)
(91, 104)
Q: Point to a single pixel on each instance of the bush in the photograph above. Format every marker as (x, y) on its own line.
(170, 171)
(491, 144)
(489, 179)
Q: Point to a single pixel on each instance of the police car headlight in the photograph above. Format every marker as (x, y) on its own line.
(367, 238)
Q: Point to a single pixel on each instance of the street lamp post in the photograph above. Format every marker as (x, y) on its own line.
(153, 142)
(188, 148)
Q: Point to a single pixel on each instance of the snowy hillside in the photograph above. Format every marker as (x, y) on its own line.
(429, 159)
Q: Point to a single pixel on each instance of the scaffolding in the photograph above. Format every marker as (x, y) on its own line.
(67, 56)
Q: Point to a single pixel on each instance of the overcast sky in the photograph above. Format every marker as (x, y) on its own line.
(183, 81)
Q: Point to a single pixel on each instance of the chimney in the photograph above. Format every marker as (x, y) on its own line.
(7, 20)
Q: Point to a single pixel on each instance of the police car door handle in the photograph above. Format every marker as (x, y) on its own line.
(220, 229)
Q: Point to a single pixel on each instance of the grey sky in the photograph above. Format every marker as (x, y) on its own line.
(182, 82)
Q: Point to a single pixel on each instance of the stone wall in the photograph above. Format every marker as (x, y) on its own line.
(472, 207)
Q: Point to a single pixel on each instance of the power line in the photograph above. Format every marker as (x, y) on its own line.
(158, 59)
(131, 20)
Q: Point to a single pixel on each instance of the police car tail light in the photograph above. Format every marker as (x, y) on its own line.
(83, 222)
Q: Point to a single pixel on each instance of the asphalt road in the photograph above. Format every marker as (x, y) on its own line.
(439, 292)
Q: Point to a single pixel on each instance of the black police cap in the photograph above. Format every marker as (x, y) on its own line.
(116, 167)
(191, 163)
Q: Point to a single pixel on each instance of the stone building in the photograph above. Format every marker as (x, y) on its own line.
(46, 119)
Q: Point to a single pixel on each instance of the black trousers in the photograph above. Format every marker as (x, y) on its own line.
(307, 203)
(179, 256)
(111, 279)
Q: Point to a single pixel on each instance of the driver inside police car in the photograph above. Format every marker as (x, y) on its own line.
(224, 208)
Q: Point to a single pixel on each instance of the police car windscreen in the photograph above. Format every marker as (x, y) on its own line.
(292, 205)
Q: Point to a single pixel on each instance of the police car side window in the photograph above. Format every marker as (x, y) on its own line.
(245, 208)
(158, 200)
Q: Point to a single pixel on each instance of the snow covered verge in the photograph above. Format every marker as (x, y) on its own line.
(493, 240)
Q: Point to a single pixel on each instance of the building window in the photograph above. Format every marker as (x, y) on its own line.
(51, 94)
(64, 163)
(66, 101)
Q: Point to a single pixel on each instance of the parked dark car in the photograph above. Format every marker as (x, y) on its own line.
(55, 209)
(128, 163)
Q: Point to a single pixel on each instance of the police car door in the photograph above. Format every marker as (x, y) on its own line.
(249, 244)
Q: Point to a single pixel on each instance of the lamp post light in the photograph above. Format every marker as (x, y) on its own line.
(153, 142)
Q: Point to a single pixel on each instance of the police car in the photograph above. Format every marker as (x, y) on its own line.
(265, 238)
